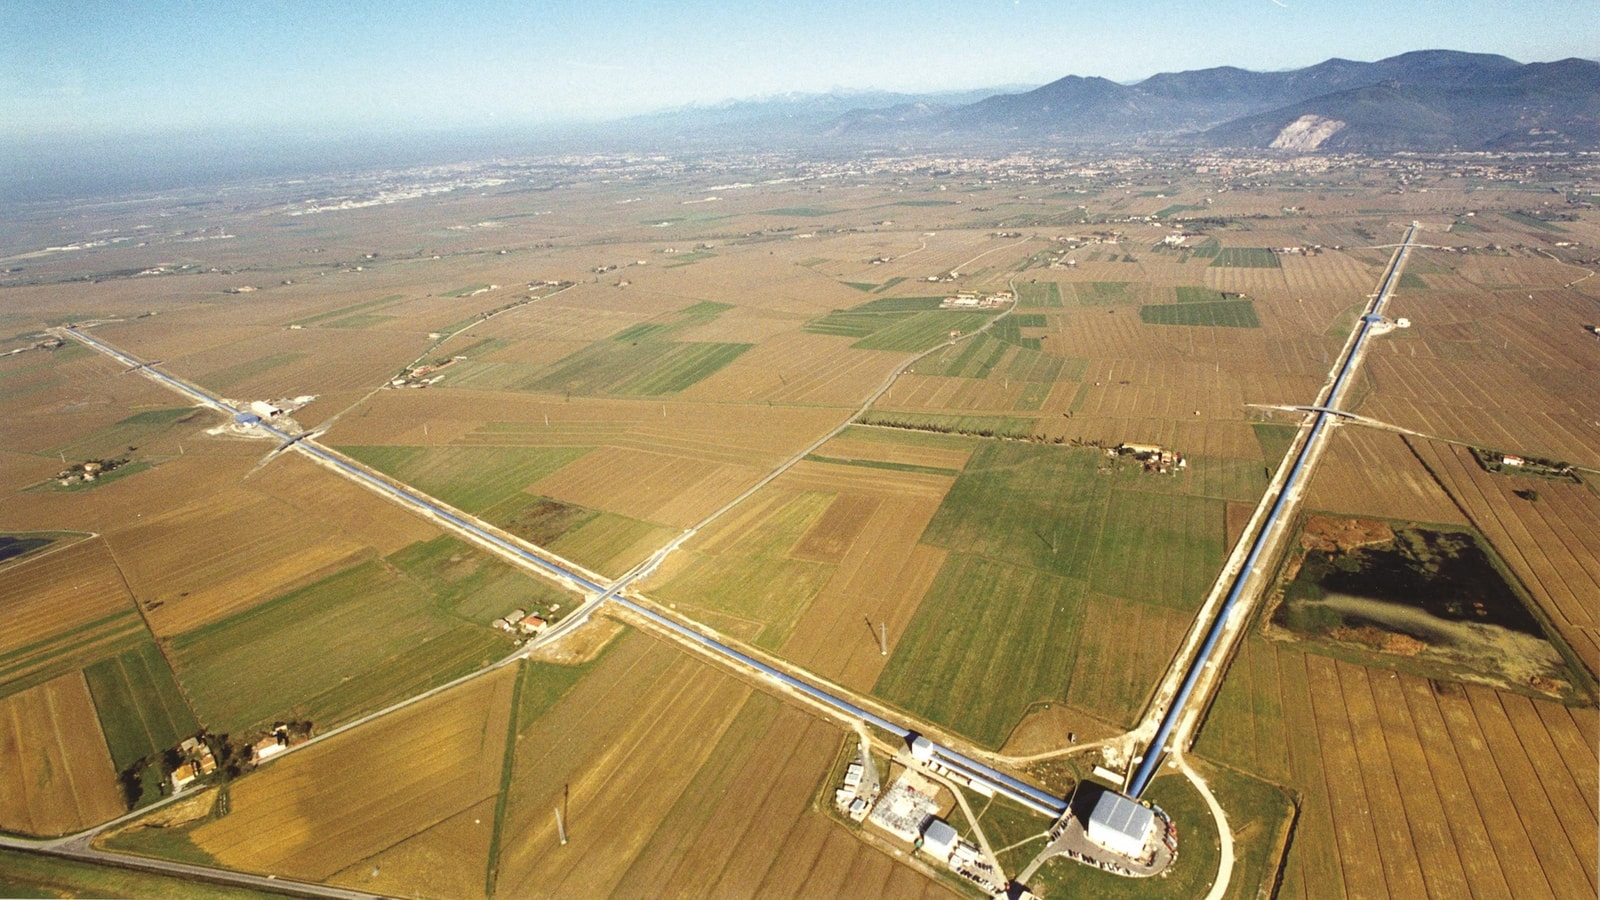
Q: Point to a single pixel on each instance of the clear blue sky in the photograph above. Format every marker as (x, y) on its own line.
(96, 68)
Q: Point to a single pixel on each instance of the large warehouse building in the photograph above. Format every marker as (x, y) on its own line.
(1121, 824)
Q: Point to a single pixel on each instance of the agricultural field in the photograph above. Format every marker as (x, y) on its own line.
(1410, 785)
(60, 611)
(141, 709)
(409, 802)
(732, 815)
(616, 362)
(57, 777)
(376, 636)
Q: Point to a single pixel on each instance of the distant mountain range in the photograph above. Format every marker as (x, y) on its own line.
(1426, 100)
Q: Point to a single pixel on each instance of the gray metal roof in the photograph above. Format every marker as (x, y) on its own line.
(1123, 815)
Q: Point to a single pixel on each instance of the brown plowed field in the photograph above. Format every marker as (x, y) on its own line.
(1411, 787)
(361, 795)
(1367, 472)
(319, 495)
(800, 368)
(222, 554)
(880, 578)
(58, 592)
(55, 772)
(644, 485)
(683, 781)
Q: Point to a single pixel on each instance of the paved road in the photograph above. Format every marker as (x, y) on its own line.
(1244, 579)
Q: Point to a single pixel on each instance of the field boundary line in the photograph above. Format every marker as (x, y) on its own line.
(82, 536)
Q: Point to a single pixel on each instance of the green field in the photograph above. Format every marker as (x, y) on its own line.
(1026, 624)
(1275, 440)
(910, 324)
(539, 520)
(1105, 563)
(807, 212)
(1189, 294)
(68, 651)
(1009, 329)
(24, 874)
(1245, 258)
(937, 423)
(1224, 313)
(648, 368)
(140, 708)
(166, 416)
(1207, 248)
(922, 330)
(611, 544)
(1522, 218)
(1039, 295)
(640, 360)
(360, 320)
(468, 478)
(1160, 548)
(346, 311)
(1103, 293)
(882, 464)
(684, 259)
(328, 652)
(969, 359)
(472, 584)
(112, 441)
(1028, 505)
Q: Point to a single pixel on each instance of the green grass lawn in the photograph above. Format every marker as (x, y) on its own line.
(1189, 877)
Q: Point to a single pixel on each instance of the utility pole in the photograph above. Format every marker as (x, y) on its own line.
(883, 638)
(561, 827)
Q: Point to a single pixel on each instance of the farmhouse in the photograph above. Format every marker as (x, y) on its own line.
(267, 748)
(183, 776)
(1121, 824)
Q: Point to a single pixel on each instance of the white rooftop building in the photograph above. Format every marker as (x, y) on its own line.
(939, 839)
(1120, 824)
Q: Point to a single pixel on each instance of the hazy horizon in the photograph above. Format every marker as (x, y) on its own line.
(86, 70)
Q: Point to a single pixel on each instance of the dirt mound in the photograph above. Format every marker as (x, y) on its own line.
(1337, 534)
(1380, 640)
